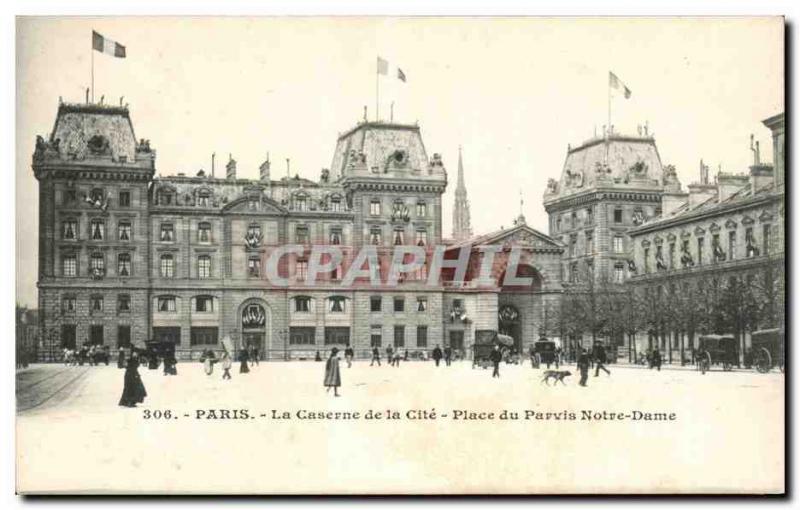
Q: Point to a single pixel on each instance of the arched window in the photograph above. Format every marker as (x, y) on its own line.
(124, 264)
(203, 198)
(167, 266)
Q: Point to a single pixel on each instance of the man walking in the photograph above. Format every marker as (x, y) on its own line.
(448, 355)
(495, 357)
(376, 356)
(600, 360)
(583, 366)
(437, 354)
(348, 356)
(389, 355)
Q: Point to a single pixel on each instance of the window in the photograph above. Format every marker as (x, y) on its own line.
(204, 266)
(422, 209)
(399, 304)
(300, 203)
(573, 272)
(164, 197)
(618, 244)
(399, 336)
(97, 196)
(124, 198)
(254, 231)
(589, 243)
(766, 232)
(96, 303)
(672, 255)
(97, 230)
(97, 265)
(254, 267)
(573, 241)
(69, 229)
(68, 336)
(336, 236)
(124, 230)
(398, 237)
(301, 335)
(558, 224)
(167, 233)
(375, 207)
(731, 245)
(589, 216)
(337, 335)
(124, 264)
(375, 236)
(422, 336)
(375, 336)
(647, 260)
(203, 199)
(301, 234)
(458, 304)
(375, 304)
(336, 204)
(700, 244)
(619, 272)
(124, 303)
(421, 238)
(167, 266)
(421, 273)
(336, 304)
(166, 304)
(70, 196)
(204, 304)
(123, 336)
(69, 304)
(69, 265)
(302, 304)
(422, 304)
(750, 243)
(204, 232)
(252, 203)
(617, 215)
(573, 220)
(96, 335)
(204, 336)
(301, 269)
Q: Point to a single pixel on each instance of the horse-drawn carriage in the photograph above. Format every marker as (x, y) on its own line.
(485, 342)
(767, 350)
(545, 352)
(716, 350)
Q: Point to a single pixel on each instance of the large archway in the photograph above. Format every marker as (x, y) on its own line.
(255, 318)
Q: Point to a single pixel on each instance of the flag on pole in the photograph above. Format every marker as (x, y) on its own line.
(616, 83)
(104, 45)
(401, 75)
(383, 66)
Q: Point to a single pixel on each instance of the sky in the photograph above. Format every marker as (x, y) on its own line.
(513, 92)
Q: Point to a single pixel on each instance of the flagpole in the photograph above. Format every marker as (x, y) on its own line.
(609, 104)
(377, 91)
(92, 50)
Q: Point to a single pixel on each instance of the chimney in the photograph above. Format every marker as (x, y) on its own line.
(230, 168)
(703, 173)
(761, 176)
(263, 174)
(699, 193)
(728, 184)
(213, 160)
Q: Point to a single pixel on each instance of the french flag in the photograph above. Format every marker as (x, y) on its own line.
(104, 45)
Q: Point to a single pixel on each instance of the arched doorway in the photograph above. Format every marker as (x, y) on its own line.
(255, 318)
(510, 323)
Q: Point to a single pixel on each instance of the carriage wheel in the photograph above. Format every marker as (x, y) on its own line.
(763, 361)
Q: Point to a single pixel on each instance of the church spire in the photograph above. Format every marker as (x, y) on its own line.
(461, 223)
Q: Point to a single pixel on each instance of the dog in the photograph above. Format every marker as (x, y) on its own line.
(556, 375)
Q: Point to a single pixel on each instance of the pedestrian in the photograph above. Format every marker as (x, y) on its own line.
(600, 360)
(448, 355)
(243, 358)
(254, 355)
(133, 391)
(376, 356)
(396, 359)
(405, 355)
(495, 357)
(332, 377)
(583, 366)
(437, 354)
(390, 355)
(317, 357)
(208, 361)
(532, 355)
(121, 358)
(227, 363)
(656, 359)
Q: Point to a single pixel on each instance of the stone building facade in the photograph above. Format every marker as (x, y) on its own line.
(126, 257)
(726, 233)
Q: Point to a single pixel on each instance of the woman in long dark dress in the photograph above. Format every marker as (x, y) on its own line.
(332, 377)
(243, 357)
(133, 392)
